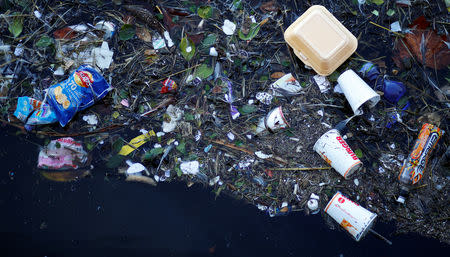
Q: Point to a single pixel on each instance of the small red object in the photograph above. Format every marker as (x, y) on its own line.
(168, 86)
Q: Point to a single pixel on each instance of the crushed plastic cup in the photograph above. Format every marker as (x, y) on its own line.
(351, 216)
(357, 91)
(369, 71)
(337, 153)
(393, 90)
(275, 120)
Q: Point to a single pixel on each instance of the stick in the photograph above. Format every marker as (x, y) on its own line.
(275, 159)
(300, 169)
(380, 236)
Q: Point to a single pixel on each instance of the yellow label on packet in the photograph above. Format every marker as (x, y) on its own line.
(136, 142)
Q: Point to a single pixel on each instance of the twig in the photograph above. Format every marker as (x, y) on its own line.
(300, 169)
(396, 33)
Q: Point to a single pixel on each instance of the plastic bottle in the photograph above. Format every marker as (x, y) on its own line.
(414, 166)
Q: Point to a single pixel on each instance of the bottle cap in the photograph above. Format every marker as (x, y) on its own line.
(401, 199)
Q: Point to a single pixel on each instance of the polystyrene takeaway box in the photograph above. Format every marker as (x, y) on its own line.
(320, 40)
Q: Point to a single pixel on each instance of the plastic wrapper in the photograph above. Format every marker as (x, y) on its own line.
(62, 154)
(82, 89)
(34, 112)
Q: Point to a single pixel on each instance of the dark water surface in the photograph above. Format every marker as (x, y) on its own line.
(96, 217)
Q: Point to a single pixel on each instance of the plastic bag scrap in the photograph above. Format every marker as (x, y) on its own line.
(168, 86)
(229, 99)
(136, 142)
(286, 86)
(62, 154)
(34, 112)
(283, 211)
(84, 87)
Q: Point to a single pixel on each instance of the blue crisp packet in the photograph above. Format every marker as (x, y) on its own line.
(34, 112)
(82, 89)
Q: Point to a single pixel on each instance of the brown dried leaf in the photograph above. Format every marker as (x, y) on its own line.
(437, 54)
(144, 34)
(270, 6)
(277, 75)
(65, 33)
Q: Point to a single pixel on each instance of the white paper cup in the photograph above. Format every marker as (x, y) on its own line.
(352, 217)
(357, 91)
(275, 120)
(337, 153)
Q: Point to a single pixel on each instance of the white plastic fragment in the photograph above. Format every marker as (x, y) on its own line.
(320, 112)
(322, 82)
(79, 27)
(338, 89)
(37, 14)
(381, 170)
(262, 155)
(284, 204)
(213, 51)
(157, 145)
(19, 50)
(313, 203)
(108, 27)
(191, 167)
(59, 71)
(214, 180)
(158, 42)
(356, 181)
(188, 49)
(134, 167)
(262, 207)
(157, 178)
(91, 119)
(228, 27)
(102, 56)
(167, 174)
(231, 136)
(198, 135)
(395, 27)
(295, 188)
(160, 134)
(169, 40)
(175, 115)
(286, 84)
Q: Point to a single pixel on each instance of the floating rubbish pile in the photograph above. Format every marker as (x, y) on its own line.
(285, 105)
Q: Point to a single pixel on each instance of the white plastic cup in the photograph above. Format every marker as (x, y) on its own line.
(357, 91)
(275, 120)
(337, 153)
(352, 217)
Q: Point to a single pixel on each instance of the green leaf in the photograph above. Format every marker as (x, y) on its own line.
(334, 76)
(115, 114)
(90, 146)
(115, 161)
(377, 2)
(178, 170)
(237, 4)
(189, 117)
(239, 183)
(359, 153)
(187, 48)
(44, 41)
(390, 12)
(181, 147)
(204, 12)
(204, 71)
(117, 145)
(57, 145)
(127, 32)
(248, 108)
(16, 26)
(152, 153)
(375, 12)
(209, 40)
(254, 29)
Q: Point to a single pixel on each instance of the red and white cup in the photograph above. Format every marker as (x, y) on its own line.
(275, 120)
(350, 215)
(337, 153)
